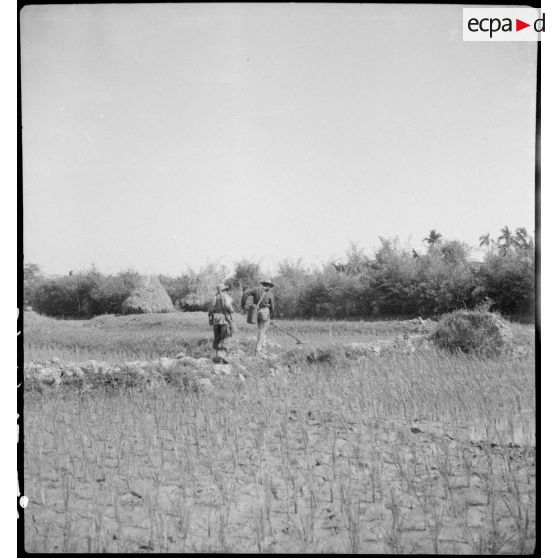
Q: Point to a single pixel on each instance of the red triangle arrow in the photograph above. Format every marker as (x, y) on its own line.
(519, 25)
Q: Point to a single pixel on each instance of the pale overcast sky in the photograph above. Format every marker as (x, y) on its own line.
(162, 136)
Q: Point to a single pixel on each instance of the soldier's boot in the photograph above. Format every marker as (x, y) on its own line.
(220, 356)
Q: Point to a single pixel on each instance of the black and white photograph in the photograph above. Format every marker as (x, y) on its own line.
(280, 278)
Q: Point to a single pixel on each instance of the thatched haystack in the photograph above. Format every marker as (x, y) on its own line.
(148, 297)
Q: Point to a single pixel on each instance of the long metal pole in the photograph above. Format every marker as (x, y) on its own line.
(290, 334)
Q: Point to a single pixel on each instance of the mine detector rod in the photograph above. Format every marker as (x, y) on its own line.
(298, 341)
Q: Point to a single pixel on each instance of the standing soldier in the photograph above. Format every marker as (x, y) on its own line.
(221, 318)
(262, 298)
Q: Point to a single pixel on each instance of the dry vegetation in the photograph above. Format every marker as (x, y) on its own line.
(148, 297)
(404, 451)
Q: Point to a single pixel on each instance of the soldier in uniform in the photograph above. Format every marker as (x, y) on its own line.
(221, 318)
(262, 297)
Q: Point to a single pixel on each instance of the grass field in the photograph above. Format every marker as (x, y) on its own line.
(406, 452)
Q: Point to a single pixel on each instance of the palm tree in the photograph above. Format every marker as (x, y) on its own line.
(484, 240)
(433, 238)
(522, 238)
(506, 237)
(505, 240)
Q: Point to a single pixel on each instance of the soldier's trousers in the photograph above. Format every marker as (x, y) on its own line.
(221, 335)
(263, 326)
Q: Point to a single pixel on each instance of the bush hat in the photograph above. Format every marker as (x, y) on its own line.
(222, 287)
(266, 281)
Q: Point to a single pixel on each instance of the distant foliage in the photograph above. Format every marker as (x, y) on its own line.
(53, 297)
(32, 277)
(109, 293)
(65, 296)
(84, 294)
(399, 282)
(509, 279)
(396, 282)
(246, 274)
(290, 285)
(178, 287)
(201, 286)
(472, 331)
(193, 302)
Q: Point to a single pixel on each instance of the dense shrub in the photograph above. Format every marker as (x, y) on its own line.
(127, 378)
(509, 279)
(108, 295)
(335, 295)
(32, 277)
(332, 356)
(178, 375)
(193, 303)
(440, 281)
(472, 331)
(65, 297)
(52, 298)
(246, 274)
(290, 286)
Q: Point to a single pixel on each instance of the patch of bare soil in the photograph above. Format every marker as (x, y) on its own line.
(314, 490)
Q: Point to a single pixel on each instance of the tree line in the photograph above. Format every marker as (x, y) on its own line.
(396, 281)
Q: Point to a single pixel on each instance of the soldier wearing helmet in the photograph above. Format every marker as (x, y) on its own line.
(221, 318)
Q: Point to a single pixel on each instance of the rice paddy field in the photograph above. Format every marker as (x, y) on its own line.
(405, 450)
